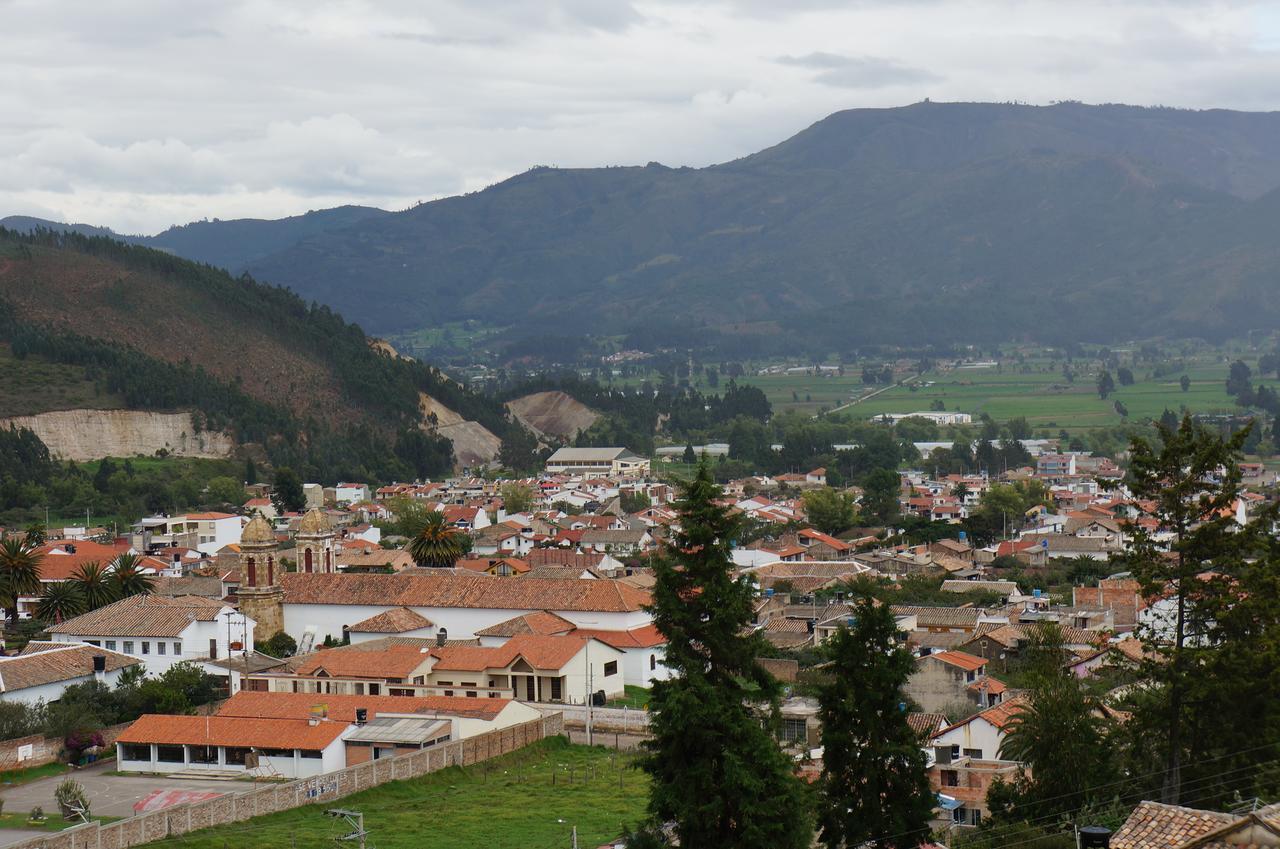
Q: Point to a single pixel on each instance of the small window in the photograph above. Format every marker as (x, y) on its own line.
(653, 661)
(310, 753)
(493, 695)
(448, 692)
(950, 778)
(359, 688)
(159, 647)
(128, 646)
(93, 642)
(235, 755)
(556, 688)
(973, 753)
(794, 730)
(146, 647)
(471, 694)
(177, 649)
(111, 645)
(374, 689)
(611, 668)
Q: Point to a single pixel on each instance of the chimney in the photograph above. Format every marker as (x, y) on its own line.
(362, 716)
(99, 666)
(441, 636)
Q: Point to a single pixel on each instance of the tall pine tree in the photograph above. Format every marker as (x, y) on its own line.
(718, 773)
(874, 788)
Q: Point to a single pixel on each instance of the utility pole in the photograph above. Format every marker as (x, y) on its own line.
(575, 837)
(355, 819)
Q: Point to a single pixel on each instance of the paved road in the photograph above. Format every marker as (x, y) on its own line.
(10, 836)
(109, 795)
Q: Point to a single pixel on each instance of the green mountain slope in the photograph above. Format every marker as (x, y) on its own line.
(959, 221)
(155, 332)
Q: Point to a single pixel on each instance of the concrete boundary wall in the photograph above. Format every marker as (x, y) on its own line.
(328, 787)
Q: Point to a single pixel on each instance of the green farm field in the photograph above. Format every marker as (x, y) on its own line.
(508, 803)
(1041, 394)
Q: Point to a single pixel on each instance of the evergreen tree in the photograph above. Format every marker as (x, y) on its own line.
(689, 457)
(717, 772)
(1184, 382)
(1106, 385)
(250, 472)
(874, 789)
(286, 491)
(1194, 482)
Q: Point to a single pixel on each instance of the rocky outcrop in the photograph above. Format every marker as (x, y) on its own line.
(93, 434)
(553, 415)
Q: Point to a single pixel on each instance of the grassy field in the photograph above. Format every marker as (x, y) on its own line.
(22, 776)
(636, 697)
(510, 803)
(31, 385)
(1036, 390)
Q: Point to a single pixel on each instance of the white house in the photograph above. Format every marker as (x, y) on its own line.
(288, 748)
(643, 649)
(205, 532)
(980, 735)
(599, 461)
(42, 670)
(161, 631)
(350, 493)
(458, 605)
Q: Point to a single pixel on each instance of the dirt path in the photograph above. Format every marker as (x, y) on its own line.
(872, 395)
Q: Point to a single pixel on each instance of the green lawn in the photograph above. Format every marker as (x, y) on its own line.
(508, 803)
(636, 697)
(22, 776)
(54, 821)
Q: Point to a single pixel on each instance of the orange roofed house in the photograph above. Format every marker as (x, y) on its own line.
(292, 735)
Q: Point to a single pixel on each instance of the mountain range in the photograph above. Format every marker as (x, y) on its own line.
(939, 222)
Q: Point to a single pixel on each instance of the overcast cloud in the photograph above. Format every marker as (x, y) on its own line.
(137, 115)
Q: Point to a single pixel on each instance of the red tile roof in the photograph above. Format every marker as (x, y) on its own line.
(961, 659)
(463, 591)
(397, 620)
(389, 662)
(232, 731)
(342, 708)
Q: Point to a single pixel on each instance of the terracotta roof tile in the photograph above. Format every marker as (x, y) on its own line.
(391, 662)
(1156, 826)
(397, 620)
(342, 708)
(48, 663)
(143, 616)
(463, 591)
(538, 622)
(960, 659)
(232, 731)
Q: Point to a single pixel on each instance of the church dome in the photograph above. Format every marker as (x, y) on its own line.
(315, 523)
(258, 532)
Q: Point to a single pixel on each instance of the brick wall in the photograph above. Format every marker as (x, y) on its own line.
(45, 750)
(181, 819)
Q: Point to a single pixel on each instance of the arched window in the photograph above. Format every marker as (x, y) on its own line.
(253, 573)
(328, 560)
(306, 559)
(271, 571)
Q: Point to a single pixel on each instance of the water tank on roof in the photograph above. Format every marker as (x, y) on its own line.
(1035, 593)
(1095, 837)
(963, 536)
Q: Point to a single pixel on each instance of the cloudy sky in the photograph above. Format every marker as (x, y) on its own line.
(137, 115)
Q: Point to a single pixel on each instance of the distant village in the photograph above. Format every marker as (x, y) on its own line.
(324, 630)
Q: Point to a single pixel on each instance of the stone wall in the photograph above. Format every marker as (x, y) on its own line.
(329, 787)
(45, 750)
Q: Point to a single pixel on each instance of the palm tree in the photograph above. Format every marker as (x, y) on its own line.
(61, 601)
(438, 543)
(95, 584)
(19, 575)
(128, 577)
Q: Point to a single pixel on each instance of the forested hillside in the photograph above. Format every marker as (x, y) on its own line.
(965, 222)
(161, 333)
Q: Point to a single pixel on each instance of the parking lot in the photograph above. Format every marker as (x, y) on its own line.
(109, 795)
